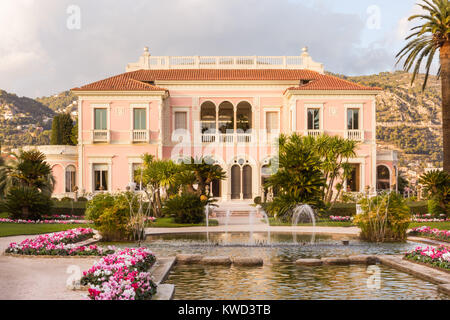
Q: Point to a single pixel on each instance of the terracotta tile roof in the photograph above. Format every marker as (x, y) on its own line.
(222, 74)
(327, 82)
(140, 80)
(122, 82)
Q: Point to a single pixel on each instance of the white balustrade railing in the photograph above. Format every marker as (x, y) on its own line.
(357, 135)
(140, 135)
(226, 62)
(100, 135)
(227, 137)
(314, 133)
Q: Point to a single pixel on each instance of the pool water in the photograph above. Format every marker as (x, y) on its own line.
(280, 278)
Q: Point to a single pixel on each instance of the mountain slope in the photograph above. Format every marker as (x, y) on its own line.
(408, 119)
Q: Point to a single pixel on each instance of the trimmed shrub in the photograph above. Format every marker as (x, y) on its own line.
(186, 208)
(26, 203)
(340, 210)
(257, 200)
(82, 199)
(66, 199)
(419, 207)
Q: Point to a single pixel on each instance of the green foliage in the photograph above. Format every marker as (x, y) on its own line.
(384, 218)
(257, 200)
(111, 215)
(74, 134)
(62, 127)
(200, 171)
(29, 169)
(94, 207)
(25, 202)
(66, 199)
(299, 179)
(419, 207)
(427, 38)
(186, 208)
(340, 209)
(436, 186)
(82, 199)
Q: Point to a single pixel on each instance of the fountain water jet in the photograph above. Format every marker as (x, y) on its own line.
(266, 218)
(303, 210)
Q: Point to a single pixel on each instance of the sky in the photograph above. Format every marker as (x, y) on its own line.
(48, 46)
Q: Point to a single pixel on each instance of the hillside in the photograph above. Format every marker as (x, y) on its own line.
(23, 121)
(408, 119)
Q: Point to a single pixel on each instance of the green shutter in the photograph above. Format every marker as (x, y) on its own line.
(100, 119)
(140, 121)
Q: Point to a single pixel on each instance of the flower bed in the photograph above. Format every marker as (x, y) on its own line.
(59, 244)
(52, 221)
(121, 276)
(339, 218)
(429, 218)
(425, 231)
(436, 257)
(62, 217)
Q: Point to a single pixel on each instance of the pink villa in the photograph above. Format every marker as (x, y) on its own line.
(231, 108)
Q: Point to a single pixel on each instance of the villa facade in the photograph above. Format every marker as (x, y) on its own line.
(229, 108)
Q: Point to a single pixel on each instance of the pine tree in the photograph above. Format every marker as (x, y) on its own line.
(62, 126)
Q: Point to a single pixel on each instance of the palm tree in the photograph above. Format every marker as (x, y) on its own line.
(28, 170)
(436, 185)
(429, 37)
(204, 171)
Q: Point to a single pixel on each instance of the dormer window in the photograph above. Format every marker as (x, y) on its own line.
(304, 82)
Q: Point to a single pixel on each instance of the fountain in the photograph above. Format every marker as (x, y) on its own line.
(266, 218)
(302, 211)
(227, 220)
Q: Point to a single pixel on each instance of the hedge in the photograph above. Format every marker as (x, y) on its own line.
(349, 209)
(341, 209)
(77, 208)
(420, 207)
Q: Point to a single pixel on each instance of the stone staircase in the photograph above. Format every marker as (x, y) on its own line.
(237, 208)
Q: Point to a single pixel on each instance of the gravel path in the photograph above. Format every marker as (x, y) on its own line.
(27, 278)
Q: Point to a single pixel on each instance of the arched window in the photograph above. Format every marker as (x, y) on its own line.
(383, 178)
(70, 178)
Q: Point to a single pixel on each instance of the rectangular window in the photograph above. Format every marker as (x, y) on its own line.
(313, 119)
(180, 120)
(352, 119)
(100, 119)
(100, 177)
(353, 181)
(140, 119)
(136, 175)
(272, 122)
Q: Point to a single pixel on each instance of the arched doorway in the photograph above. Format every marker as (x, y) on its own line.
(383, 178)
(241, 180)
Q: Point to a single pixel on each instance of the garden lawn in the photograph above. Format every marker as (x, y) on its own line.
(169, 223)
(16, 229)
(274, 222)
(433, 225)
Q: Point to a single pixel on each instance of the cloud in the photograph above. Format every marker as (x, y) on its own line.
(42, 56)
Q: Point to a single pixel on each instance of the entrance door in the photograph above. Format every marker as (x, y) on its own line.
(247, 181)
(235, 182)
